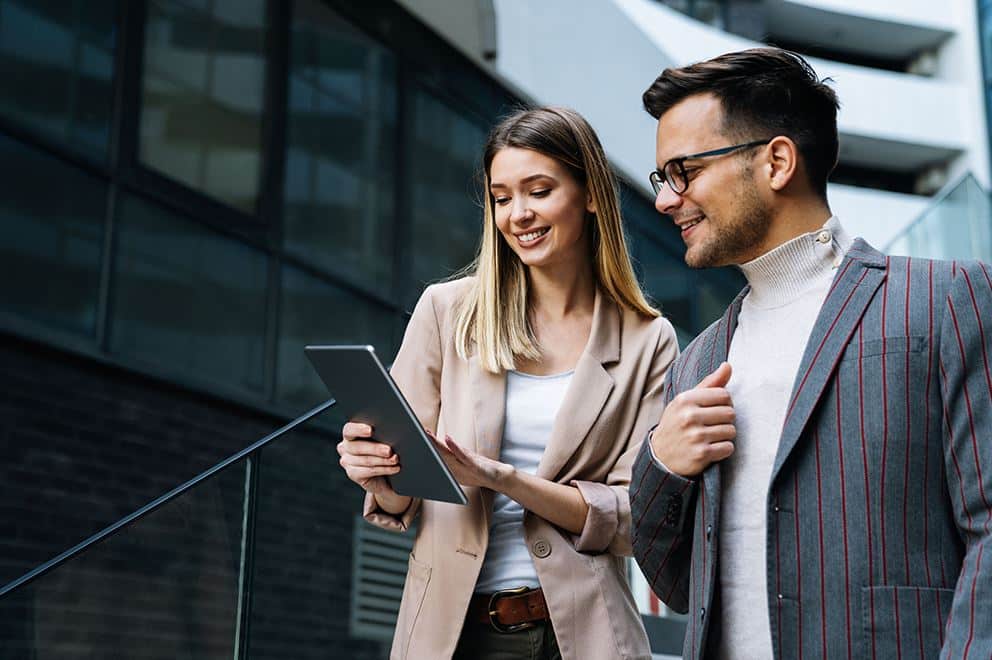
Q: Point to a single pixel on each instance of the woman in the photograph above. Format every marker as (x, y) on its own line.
(539, 375)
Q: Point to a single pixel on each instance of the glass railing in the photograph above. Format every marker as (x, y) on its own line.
(188, 575)
(958, 225)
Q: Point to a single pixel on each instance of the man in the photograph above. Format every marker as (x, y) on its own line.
(826, 493)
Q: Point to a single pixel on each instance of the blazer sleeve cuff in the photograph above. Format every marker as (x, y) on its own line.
(602, 519)
(374, 514)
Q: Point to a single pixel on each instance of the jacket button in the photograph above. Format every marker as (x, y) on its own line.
(542, 548)
(709, 532)
(702, 613)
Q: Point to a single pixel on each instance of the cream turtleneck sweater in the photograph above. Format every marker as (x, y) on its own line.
(788, 287)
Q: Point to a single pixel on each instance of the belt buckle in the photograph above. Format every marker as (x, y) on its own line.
(499, 627)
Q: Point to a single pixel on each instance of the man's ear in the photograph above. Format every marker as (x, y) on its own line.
(781, 162)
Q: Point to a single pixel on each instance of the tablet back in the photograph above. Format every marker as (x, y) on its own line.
(366, 393)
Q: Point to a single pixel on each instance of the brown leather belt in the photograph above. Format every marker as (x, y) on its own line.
(509, 610)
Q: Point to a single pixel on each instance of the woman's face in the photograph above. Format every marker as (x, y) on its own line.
(539, 207)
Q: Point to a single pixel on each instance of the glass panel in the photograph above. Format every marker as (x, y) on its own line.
(203, 95)
(316, 312)
(445, 152)
(50, 244)
(165, 587)
(340, 162)
(303, 561)
(188, 298)
(957, 226)
(57, 62)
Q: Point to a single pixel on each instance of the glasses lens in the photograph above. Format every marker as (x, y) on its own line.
(675, 176)
(656, 182)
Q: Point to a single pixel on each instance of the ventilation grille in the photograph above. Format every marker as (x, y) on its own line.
(380, 563)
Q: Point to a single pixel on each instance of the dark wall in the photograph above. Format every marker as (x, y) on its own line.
(84, 444)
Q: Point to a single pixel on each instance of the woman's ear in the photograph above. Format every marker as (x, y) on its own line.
(590, 204)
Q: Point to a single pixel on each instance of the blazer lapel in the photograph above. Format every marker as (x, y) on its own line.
(587, 393)
(860, 274)
(489, 391)
(717, 349)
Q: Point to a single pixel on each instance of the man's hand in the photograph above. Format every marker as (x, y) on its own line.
(697, 427)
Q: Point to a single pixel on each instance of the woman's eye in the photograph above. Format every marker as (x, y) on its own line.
(540, 193)
(501, 200)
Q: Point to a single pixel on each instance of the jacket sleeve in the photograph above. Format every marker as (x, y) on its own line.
(417, 372)
(607, 525)
(662, 505)
(966, 388)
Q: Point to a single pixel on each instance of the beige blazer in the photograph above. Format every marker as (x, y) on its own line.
(612, 401)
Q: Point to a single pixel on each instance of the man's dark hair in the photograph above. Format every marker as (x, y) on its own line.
(764, 92)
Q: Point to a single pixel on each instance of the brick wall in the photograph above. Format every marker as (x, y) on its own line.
(83, 444)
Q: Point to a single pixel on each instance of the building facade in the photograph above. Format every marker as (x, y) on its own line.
(194, 190)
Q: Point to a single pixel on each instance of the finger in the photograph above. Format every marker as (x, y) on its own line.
(368, 461)
(455, 448)
(352, 430)
(707, 396)
(715, 415)
(363, 473)
(719, 433)
(366, 448)
(720, 450)
(719, 378)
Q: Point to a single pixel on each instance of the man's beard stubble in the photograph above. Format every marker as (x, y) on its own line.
(736, 235)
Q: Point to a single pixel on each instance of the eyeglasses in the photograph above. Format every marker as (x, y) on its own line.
(674, 174)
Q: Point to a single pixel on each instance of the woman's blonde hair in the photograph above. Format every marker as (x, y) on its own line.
(493, 315)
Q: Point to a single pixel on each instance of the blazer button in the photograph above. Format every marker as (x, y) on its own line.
(709, 532)
(541, 548)
(702, 613)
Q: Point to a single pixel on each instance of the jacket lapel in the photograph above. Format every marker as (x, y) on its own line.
(860, 274)
(490, 404)
(587, 393)
(717, 348)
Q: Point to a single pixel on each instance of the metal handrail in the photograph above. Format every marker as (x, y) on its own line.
(155, 504)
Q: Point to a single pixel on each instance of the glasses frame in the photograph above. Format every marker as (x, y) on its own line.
(659, 177)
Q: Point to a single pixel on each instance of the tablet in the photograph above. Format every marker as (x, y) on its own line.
(366, 393)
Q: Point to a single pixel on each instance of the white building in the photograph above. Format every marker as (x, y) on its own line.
(909, 78)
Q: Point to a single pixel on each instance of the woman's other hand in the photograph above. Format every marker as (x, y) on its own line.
(470, 468)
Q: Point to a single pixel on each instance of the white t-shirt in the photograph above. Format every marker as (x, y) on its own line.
(532, 402)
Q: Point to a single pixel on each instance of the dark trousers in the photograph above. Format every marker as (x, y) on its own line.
(479, 641)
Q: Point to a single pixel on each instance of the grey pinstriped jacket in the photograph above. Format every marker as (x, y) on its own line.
(879, 524)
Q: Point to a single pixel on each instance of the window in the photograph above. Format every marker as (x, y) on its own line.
(57, 61)
(341, 149)
(443, 200)
(50, 244)
(203, 96)
(188, 298)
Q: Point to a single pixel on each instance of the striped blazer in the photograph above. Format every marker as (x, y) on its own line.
(879, 525)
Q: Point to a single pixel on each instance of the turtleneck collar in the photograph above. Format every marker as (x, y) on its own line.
(783, 274)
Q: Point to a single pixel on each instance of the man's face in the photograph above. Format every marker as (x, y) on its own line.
(722, 217)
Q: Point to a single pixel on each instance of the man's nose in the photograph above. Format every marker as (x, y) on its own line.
(667, 200)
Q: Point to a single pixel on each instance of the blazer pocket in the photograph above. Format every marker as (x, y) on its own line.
(417, 577)
(875, 347)
(904, 621)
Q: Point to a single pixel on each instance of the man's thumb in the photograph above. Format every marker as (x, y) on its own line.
(718, 378)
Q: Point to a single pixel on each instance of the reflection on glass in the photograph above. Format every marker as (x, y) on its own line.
(956, 226)
(166, 587)
(315, 312)
(57, 61)
(50, 244)
(203, 95)
(340, 159)
(444, 150)
(187, 298)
